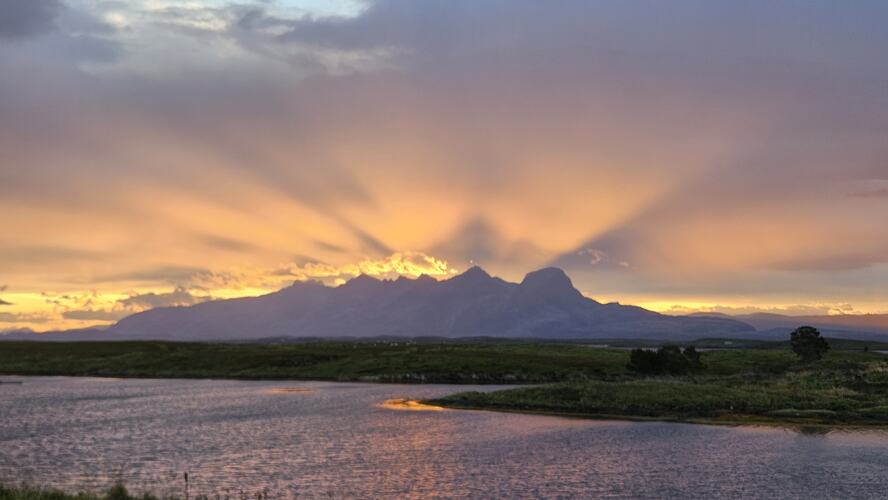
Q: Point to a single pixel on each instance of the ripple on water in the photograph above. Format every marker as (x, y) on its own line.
(339, 441)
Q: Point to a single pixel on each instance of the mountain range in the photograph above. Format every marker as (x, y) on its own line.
(545, 305)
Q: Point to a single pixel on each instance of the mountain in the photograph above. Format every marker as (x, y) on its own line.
(858, 326)
(544, 305)
(874, 323)
(771, 326)
(82, 334)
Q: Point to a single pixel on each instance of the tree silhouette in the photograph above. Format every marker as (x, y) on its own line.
(807, 343)
(667, 359)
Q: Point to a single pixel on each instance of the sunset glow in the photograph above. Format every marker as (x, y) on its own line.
(158, 153)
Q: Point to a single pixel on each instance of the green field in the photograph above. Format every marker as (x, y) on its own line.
(742, 386)
(117, 492)
(382, 361)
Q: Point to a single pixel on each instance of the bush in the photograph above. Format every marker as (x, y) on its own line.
(667, 359)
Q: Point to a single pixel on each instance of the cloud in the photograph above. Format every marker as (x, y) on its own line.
(8, 317)
(787, 310)
(478, 242)
(204, 146)
(411, 264)
(95, 315)
(22, 254)
(178, 297)
(26, 18)
(164, 274)
(229, 244)
(5, 303)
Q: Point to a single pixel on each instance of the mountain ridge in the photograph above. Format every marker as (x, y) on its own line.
(544, 304)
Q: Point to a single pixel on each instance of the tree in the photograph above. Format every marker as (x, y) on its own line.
(667, 359)
(643, 361)
(693, 357)
(807, 343)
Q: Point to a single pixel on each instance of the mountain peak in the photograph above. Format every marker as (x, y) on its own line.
(361, 281)
(475, 272)
(547, 274)
(550, 281)
(473, 275)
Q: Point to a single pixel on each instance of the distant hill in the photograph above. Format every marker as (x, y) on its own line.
(85, 334)
(856, 326)
(544, 305)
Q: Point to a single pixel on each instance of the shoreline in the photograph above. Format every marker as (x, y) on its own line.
(367, 380)
(750, 421)
(438, 404)
(731, 387)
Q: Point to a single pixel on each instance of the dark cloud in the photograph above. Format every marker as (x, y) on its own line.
(94, 315)
(178, 297)
(166, 274)
(8, 317)
(25, 18)
(478, 242)
(26, 254)
(327, 247)
(5, 303)
(368, 243)
(679, 30)
(228, 244)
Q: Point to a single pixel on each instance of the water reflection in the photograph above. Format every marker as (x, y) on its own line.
(290, 390)
(408, 405)
(338, 440)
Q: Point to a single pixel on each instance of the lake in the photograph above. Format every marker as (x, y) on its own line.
(318, 439)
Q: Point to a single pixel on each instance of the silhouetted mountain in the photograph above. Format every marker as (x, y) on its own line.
(89, 334)
(859, 326)
(474, 304)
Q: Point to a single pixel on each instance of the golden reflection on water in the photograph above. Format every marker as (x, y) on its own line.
(409, 405)
(289, 390)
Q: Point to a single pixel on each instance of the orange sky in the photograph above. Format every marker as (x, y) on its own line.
(700, 157)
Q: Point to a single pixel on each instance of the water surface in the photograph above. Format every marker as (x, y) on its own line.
(316, 439)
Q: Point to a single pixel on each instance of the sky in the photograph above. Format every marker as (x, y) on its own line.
(684, 155)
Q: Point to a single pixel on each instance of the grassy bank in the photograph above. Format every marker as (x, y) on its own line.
(382, 361)
(738, 385)
(767, 387)
(441, 362)
(117, 492)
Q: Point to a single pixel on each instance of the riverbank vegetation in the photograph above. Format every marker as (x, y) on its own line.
(847, 386)
(839, 388)
(371, 361)
(116, 492)
(399, 360)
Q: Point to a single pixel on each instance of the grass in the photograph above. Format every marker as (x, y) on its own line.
(767, 387)
(116, 492)
(382, 361)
